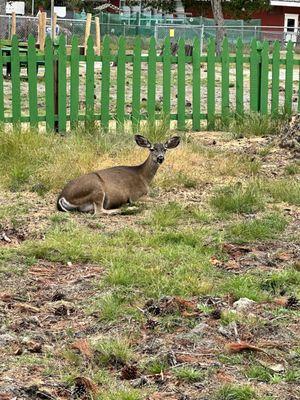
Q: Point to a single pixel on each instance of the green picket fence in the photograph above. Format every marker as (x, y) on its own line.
(217, 86)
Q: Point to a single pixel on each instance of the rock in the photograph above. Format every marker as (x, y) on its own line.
(243, 304)
(6, 339)
(200, 328)
(142, 381)
(228, 331)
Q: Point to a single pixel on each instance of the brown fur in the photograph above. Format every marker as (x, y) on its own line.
(108, 189)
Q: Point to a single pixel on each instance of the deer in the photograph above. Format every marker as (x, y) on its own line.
(106, 190)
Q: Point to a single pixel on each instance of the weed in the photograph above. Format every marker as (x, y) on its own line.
(108, 307)
(292, 169)
(257, 229)
(238, 199)
(166, 215)
(281, 282)
(283, 190)
(114, 352)
(255, 124)
(189, 374)
(125, 394)
(259, 373)
(155, 366)
(232, 392)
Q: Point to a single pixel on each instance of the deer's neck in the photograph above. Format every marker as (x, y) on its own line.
(148, 169)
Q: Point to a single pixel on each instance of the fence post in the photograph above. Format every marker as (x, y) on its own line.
(259, 80)
(13, 25)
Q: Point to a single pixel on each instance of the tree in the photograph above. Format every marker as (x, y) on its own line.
(219, 21)
(237, 9)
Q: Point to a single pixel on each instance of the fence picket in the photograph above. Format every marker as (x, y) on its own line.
(181, 86)
(136, 83)
(49, 83)
(62, 84)
(211, 76)
(74, 83)
(239, 69)
(264, 81)
(196, 85)
(289, 68)
(275, 78)
(15, 81)
(167, 80)
(151, 80)
(32, 81)
(90, 81)
(56, 69)
(1, 89)
(105, 84)
(120, 115)
(254, 75)
(225, 80)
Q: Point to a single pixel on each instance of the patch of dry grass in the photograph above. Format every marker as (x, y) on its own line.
(42, 163)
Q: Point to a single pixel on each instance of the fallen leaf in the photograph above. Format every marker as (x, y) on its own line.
(83, 347)
(281, 301)
(27, 307)
(236, 347)
(284, 256)
(232, 264)
(216, 262)
(185, 304)
(189, 314)
(6, 297)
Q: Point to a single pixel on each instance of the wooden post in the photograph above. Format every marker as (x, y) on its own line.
(13, 24)
(98, 37)
(87, 30)
(53, 25)
(43, 31)
(39, 28)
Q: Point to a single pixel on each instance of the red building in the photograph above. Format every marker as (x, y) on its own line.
(282, 17)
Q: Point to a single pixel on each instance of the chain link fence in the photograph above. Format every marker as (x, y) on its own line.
(114, 26)
(26, 25)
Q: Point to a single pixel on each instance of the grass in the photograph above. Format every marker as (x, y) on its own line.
(284, 190)
(114, 352)
(255, 124)
(233, 392)
(203, 199)
(189, 374)
(238, 199)
(292, 169)
(261, 228)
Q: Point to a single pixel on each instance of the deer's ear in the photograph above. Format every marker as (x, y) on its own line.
(142, 141)
(173, 142)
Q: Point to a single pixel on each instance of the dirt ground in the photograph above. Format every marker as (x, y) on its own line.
(45, 327)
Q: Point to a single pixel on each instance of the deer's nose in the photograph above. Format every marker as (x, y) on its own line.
(160, 159)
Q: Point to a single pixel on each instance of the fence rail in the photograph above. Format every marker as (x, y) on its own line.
(72, 87)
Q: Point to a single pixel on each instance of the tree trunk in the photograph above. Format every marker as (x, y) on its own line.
(219, 21)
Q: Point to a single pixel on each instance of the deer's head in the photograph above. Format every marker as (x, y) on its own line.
(157, 150)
